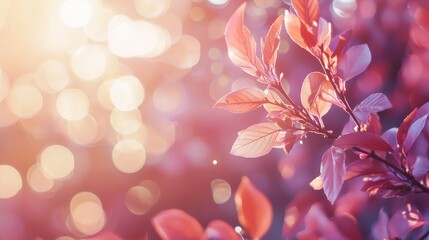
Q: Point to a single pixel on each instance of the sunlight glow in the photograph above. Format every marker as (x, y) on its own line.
(89, 62)
(57, 161)
(38, 180)
(10, 181)
(221, 191)
(127, 93)
(87, 213)
(152, 8)
(24, 100)
(52, 76)
(76, 13)
(139, 200)
(128, 156)
(72, 104)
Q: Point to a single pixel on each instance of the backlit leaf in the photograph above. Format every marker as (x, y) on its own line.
(379, 230)
(354, 61)
(332, 172)
(255, 141)
(271, 43)
(293, 28)
(375, 102)
(413, 132)
(364, 140)
(308, 11)
(255, 212)
(324, 33)
(176, 224)
(242, 100)
(241, 44)
(315, 91)
(275, 102)
(220, 230)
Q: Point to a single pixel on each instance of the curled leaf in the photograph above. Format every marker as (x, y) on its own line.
(242, 100)
(315, 92)
(255, 141)
(332, 172)
(241, 44)
(255, 212)
(176, 224)
(220, 230)
(271, 43)
(354, 61)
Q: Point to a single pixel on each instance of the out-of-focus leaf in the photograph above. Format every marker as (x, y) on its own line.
(315, 91)
(375, 102)
(255, 212)
(373, 124)
(293, 28)
(324, 33)
(338, 43)
(404, 221)
(379, 230)
(413, 132)
(176, 224)
(354, 61)
(421, 167)
(308, 11)
(220, 230)
(242, 100)
(255, 141)
(241, 44)
(332, 172)
(348, 226)
(271, 43)
(317, 183)
(319, 226)
(364, 140)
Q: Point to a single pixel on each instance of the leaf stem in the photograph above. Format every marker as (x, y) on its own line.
(395, 169)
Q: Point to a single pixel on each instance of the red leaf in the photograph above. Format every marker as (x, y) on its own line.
(308, 11)
(293, 28)
(241, 44)
(403, 129)
(364, 140)
(255, 141)
(255, 212)
(242, 100)
(271, 43)
(332, 172)
(176, 224)
(376, 102)
(354, 61)
(338, 43)
(413, 132)
(364, 167)
(220, 230)
(315, 92)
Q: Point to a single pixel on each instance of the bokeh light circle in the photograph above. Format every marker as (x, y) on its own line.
(127, 93)
(128, 155)
(72, 104)
(57, 161)
(10, 181)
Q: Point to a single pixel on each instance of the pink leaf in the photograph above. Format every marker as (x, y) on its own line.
(255, 141)
(379, 230)
(293, 28)
(315, 91)
(220, 230)
(367, 167)
(354, 61)
(332, 172)
(413, 132)
(324, 33)
(338, 44)
(275, 102)
(241, 44)
(255, 212)
(242, 100)
(376, 102)
(176, 224)
(271, 43)
(364, 140)
(421, 167)
(308, 11)
(403, 129)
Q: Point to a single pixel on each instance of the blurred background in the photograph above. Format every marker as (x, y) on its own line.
(106, 112)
